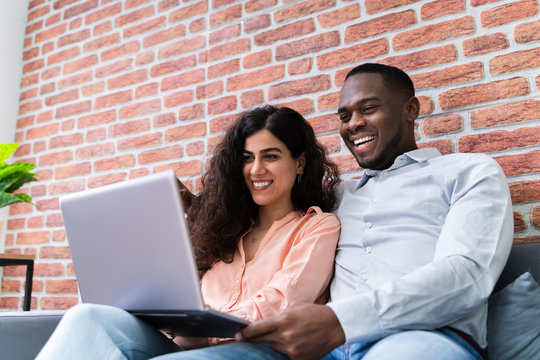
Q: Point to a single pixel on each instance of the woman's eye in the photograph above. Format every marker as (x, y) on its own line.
(271, 156)
(248, 158)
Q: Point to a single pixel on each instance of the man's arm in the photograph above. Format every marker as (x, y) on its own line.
(307, 331)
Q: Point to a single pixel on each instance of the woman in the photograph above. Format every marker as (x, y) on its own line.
(260, 237)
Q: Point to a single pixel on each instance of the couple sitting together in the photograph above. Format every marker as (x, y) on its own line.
(422, 240)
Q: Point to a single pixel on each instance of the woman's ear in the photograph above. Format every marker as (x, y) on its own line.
(300, 163)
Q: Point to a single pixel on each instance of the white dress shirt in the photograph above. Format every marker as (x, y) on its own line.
(422, 244)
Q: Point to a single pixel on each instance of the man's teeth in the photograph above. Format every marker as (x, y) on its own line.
(261, 183)
(363, 140)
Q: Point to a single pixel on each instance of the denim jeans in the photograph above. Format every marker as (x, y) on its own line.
(101, 332)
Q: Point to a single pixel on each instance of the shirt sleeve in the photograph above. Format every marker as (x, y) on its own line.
(470, 253)
(305, 274)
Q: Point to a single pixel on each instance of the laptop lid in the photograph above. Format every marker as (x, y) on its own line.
(130, 245)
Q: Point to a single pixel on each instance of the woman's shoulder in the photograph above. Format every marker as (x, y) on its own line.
(315, 214)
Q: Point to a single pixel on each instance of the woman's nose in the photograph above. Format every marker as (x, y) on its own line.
(257, 167)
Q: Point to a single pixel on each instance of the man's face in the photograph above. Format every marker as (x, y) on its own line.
(376, 121)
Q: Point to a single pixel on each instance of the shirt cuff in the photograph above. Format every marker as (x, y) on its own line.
(357, 318)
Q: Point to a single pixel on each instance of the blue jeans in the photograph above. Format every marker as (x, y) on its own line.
(101, 332)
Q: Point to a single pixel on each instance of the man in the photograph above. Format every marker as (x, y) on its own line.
(424, 238)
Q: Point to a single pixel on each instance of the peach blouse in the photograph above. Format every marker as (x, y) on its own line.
(293, 264)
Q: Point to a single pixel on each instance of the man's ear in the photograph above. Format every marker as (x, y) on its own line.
(301, 162)
(413, 109)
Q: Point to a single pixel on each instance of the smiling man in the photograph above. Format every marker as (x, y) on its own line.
(423, 240)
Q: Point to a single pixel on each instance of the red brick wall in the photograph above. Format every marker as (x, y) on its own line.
(113, 90)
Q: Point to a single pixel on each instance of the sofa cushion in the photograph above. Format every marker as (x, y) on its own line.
(513, 325)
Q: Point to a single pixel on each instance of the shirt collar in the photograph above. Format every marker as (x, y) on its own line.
(418, 155)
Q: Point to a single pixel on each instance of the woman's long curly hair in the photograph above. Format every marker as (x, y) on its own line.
(224, 210)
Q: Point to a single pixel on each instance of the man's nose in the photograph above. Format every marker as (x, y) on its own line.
(356, 121)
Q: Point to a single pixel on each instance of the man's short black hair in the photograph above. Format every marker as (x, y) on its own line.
(392, 76)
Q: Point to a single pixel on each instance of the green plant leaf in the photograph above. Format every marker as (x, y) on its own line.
(11, 183)
(18, 167)
(6, 150)
(7, 199)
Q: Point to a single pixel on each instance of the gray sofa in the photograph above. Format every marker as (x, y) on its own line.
(22, 334)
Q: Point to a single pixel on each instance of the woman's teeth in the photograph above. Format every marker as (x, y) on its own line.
(260, 184)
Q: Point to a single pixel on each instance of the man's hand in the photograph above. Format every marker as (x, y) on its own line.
(303, 332)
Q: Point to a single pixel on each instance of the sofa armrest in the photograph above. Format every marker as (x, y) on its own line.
(23, 334)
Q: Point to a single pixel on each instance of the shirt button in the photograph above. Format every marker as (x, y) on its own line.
(369, 249)
(385, 173)
(369, 225)
(374, 201)
(365, 277)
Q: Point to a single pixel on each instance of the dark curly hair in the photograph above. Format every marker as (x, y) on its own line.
(224, 209)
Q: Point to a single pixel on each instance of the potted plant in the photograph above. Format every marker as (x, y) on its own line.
(13, 176)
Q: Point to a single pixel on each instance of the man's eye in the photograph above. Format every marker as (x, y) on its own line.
(367, 109)
(344, 117)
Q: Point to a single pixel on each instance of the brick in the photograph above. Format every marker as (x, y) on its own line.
(185, 132)
(189, 11)
(303, 106)
(301, 66)
(80, 64)
(63, 56)
(181, 47)
(29, 80)
(224, 68)
(472, 95)
(146, 90)
(197, 26)
(256, 5)
(129, 127)
(444, 146)
(45, 116)
(178, 98)
(128, 79)
(505, 114)
(514, 61)
(164, 5)
(168, 67)
(434, 33)
(302, 9)
(380, 25)
(448, 76)
(324, 123)
(526, 163)
(66, 96)
(289, 31)
(66, 140)
(50, 33)
(75, 80)
(80, 9)
(191, 112)
(339, 16)
(299, 87)
(62, 286)
(48, 204)
(75, 170)
(519, 223)
(485, 44)
(183, 168)
(104, 13)
(352, 54)
(423, 58)
(54, 252)
(375, 6)
(255, 78)
(96, 119)
(134, 16)
(499, 140)
(528, 32)
(20, 208)
(181, 80)
(121, 51)
(260, 58)
(113, 99)
(30, 54)
(257, 23)
(195, 148)
(32, 238)
(222, 16)
(55, 158)
(481, 2)
(308, 45)
(25, 122)
(41, 131)
(440, 8)
(166, 119)
(130, 4)
(29, 107)
(147, 140)
(535, 216)
(138, 173)
(144, 58)
(146, 27)
(443, 124)
(328, 101)
(73, 38)
(38, 13)
(251, 98)
(50, 73)
(165, 35)
(57, 302)
(525, 191)
(25, 95)
(229, 49)
(221, 105)
(73, 109)
(161, 154)
(224, 34)
(114, 163)
(139, 109)
(33, 66)
(73, 24)
(209, 90)
(104, 41)
(11, 286)
(96, 150)
(23, 150)
(16, 224)
(507, 13)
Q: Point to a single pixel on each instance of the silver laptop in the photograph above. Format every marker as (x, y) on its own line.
(130, 248)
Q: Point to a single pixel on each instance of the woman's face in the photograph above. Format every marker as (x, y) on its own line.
(269, 170)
